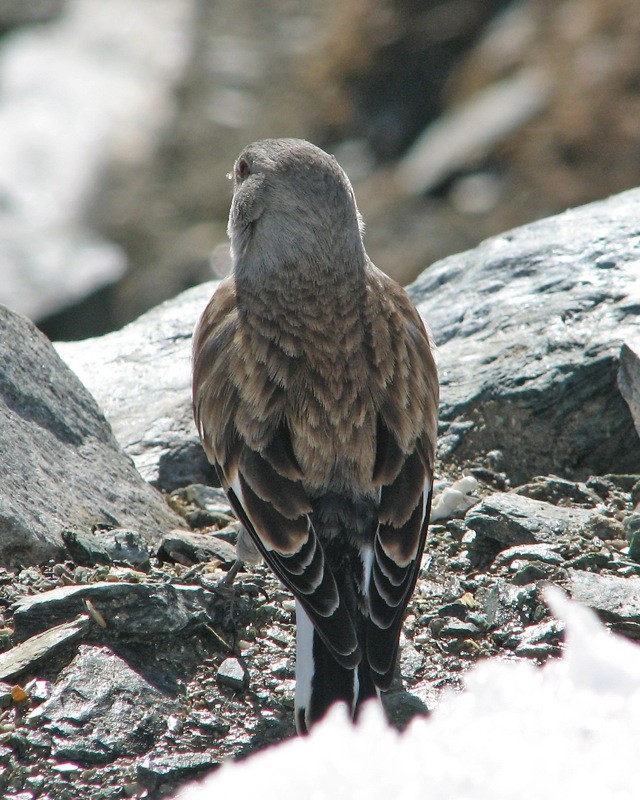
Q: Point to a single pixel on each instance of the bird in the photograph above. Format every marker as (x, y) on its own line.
(315, 396)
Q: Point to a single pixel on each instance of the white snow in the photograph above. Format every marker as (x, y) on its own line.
(79, 94)
(568, 730)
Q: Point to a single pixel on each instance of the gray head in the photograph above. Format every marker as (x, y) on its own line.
(293, 205)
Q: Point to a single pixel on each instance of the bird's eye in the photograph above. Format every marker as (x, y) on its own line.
(242, 170)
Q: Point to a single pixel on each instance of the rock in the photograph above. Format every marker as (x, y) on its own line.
(529, 327)
(27, 654)
(188, 548)
(61, 466)
(528, 573)
(125, 609)
(141, 378)
(117, 546)
(617, 600)
(558, 491)
(604, 527)
(513, 519)
(540, 641)
(233, 673)
(502, 603)
(100, 709)
(174, 766)
(130, 56)
(202, 506)
(629, 379)
(531, 552)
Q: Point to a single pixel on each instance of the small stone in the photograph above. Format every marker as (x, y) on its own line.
(530, 573)
(552, 489)
(456, 629)
(233, 673)
(210, 723)
(66, 768)
(604, 527)
(529, 552)
(595, 560)
(104, 546)
(18, 694)
(187, 548)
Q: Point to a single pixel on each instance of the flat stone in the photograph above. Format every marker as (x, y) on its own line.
(61, 466)
(529, 327)
(126, 609)
(513, 519)
(552, 489)
(27, 654)
(101, 708)
(455, 629)
(529, 573)
(233, 673)
(616, 599)
(529, 552)
(117, 546)
(189, 548)
(177, 766)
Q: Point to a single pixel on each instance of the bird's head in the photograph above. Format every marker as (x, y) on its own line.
(292, 202)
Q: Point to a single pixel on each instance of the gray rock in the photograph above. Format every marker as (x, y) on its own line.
(558, 491)
(532, 552)
(528, 573)
(529, 327)
(100, 709)
(202, 506)
(174, 766)
(193, 548)
(616, 599)
(629, 378)
(540, 641)
(141, 378)
(27, 654)
(61, 466)
(129, 609)
(117, 546)
(233, 673)
(513, 519)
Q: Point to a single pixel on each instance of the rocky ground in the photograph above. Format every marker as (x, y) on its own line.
(125, 672)
(128, 665)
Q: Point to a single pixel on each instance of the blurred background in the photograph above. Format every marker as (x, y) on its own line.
(455, 119)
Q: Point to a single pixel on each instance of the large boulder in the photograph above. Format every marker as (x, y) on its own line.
(529, 327)
(61, 466)
(141, 378)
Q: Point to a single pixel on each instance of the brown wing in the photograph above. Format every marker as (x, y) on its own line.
(405, 451)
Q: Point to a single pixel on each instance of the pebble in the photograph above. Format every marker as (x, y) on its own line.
(232, 673)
